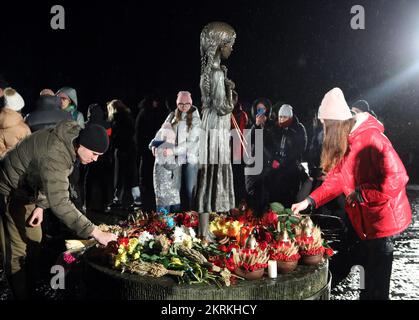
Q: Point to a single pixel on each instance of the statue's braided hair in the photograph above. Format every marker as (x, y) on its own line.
(214, 35)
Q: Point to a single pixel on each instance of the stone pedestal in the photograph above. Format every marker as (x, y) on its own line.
(305, 282)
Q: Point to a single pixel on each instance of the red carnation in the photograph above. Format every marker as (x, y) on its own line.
(329, 252)
(270, 218)
(179, 218)
(223, 248)
(123, 241)
(263, 245)
(230, 265)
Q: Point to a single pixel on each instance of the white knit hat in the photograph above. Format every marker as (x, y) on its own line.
(334, 106)
(13, 100)
(285, 111)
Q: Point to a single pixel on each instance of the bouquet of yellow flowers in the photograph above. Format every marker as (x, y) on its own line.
(222, 227)
(128, 250)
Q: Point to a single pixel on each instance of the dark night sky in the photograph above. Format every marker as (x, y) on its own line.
(291, 51)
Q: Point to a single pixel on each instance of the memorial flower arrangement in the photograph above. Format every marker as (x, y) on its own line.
(248, 259)
(284, 249)
(163, 243)
(309, 239)
(278, 219)
(223, 227)
(188, 219)
(285, 253)
(185, 236)
(70, 259)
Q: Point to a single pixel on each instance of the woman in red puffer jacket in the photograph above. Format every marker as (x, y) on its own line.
(361, 163)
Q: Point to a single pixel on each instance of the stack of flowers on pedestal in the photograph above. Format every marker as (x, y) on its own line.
(285, 252)
(163, 243)
(249, 263)
(223, 227)
(312, 246)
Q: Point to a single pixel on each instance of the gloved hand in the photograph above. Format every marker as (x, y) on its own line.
(355, 196)
(275, 164)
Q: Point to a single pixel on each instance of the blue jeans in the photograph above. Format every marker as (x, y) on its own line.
(189, 185)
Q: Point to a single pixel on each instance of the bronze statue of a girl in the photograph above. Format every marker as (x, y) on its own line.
(215, 186)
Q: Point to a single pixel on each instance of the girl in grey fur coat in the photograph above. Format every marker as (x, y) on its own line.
(166, 172)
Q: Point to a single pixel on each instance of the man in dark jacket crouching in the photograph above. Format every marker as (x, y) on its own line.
(33, 177)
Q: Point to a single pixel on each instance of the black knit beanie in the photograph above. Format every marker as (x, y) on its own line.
(94, 138)
(362, 105)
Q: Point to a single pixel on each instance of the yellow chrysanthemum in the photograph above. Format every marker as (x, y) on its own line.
(176, 261)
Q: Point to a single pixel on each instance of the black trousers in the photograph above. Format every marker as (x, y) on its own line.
(99, 183)
(239, 182)
(375, 256)
(125, 175)
(257, 193)
(377, 259)
(284, 184)
(146, 166)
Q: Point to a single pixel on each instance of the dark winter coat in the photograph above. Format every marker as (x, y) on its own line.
(148, 122)
(314, 152)
(122, 137)
(256, 187)
(47, 114)
(267, 103)
(97, 115)
(287, 145)
(37, 171)
(267, 138)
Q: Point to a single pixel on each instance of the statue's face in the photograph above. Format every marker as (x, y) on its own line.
(226, 50)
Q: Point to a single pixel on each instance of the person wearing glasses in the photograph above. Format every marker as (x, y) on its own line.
(185, 123)
(69, 103)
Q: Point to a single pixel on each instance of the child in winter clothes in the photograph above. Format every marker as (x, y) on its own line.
(166, 173)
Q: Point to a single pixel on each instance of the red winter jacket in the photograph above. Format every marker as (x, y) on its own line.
(373, 166)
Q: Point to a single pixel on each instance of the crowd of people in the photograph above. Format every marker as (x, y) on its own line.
(155, 161)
